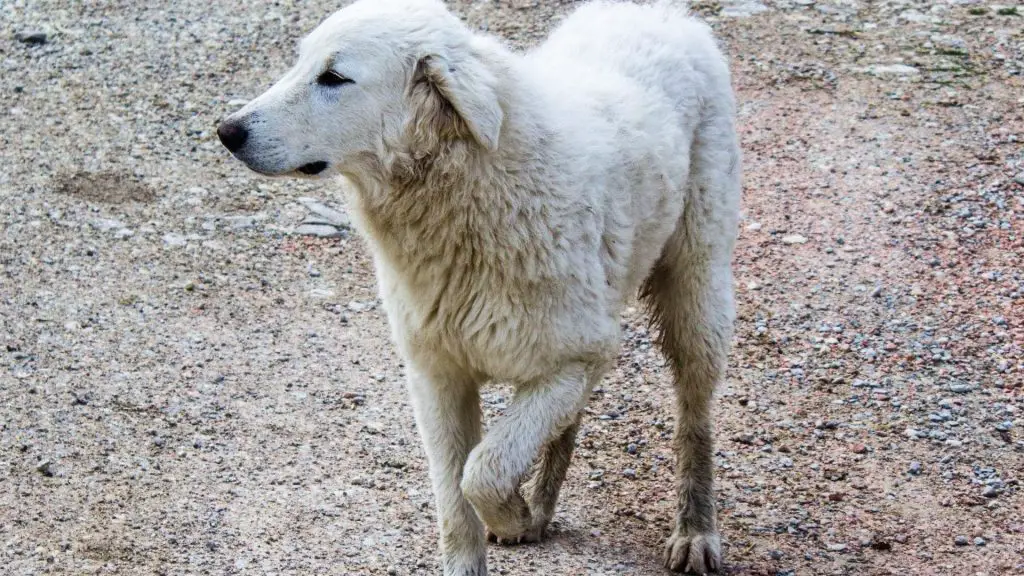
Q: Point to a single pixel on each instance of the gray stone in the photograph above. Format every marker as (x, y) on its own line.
(357, 306)
(892, 70)
(915, 16)
(318, 230)
(950, 44)
(836, 547)
(741, 8)
(106, 224)
(240, 222)
(324, 214)
(176, 240)
(46, 468)
(960, 540)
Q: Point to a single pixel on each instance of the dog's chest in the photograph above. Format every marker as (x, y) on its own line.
(467, 318)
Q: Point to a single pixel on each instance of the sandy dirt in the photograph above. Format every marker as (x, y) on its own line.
(188, 387)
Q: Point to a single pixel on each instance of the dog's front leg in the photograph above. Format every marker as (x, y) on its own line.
(539, 413)
(448, 417)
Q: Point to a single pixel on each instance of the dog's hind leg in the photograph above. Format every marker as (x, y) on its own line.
(690, 296)
(541, 413)
(449, 420)
(542, 488)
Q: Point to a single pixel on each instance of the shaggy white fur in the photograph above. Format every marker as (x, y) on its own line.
(513, 204)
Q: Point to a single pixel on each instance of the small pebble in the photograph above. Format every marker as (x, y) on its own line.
(46, 468)
(960, 540)
(915, 468)
(33, 38)
(979, 541)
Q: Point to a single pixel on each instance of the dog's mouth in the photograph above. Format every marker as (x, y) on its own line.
(313, 168)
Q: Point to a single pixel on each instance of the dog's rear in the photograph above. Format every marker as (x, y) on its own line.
(689, 290)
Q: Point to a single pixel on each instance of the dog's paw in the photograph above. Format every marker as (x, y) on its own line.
(515, 525)
(694, 553)
(529, 536)
(465, 565)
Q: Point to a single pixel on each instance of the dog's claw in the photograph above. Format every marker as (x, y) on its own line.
(529, 537)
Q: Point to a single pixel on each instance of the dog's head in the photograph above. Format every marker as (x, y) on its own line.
(376, 75)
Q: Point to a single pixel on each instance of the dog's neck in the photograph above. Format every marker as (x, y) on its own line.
(458, 196)
(463, 211)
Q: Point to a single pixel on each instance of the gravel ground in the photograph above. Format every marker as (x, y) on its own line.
(189, 386)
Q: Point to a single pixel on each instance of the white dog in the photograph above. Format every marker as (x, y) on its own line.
(513, 204)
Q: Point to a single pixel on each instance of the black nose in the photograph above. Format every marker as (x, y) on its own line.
(232, 135)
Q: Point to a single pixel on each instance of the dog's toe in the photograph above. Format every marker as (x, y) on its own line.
(698, 553)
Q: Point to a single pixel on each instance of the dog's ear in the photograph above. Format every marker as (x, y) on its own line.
(453, 100)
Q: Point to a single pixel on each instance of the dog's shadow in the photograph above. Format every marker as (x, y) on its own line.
(579, 550)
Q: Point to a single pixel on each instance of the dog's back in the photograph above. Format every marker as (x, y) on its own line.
(658, 46)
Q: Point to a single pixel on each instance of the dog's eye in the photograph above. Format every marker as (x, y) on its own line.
(331, 79)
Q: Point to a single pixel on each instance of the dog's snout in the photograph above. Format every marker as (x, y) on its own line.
(233, 135)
